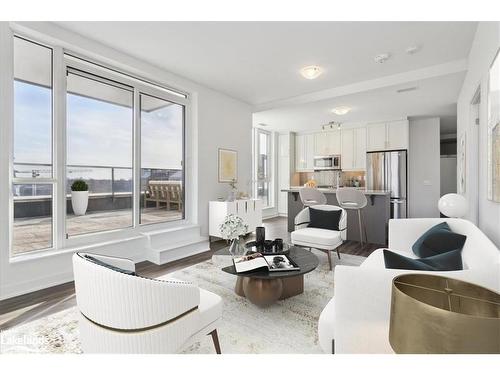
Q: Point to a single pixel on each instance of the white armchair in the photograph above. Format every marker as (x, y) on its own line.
(322, 239)
(125, 313)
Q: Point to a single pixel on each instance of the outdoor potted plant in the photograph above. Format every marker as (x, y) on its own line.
(79, 197)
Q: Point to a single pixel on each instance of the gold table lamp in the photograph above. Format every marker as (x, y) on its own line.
(436, 314)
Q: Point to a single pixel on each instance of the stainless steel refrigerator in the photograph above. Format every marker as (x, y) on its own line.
(386, 170)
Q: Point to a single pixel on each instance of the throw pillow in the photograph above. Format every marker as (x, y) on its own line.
(324, 219)
(450, 261)
(438, 240)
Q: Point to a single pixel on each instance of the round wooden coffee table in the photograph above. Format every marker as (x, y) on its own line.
(263, 288)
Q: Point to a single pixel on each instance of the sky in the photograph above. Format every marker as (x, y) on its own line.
(99, 133)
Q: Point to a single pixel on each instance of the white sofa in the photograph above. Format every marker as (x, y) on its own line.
(123, 313)
(356, 320)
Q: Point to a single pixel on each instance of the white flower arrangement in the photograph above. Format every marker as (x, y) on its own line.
(233, 227)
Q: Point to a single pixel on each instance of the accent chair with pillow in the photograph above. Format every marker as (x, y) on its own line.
(321, 227)
(121, 312)
(357, 319)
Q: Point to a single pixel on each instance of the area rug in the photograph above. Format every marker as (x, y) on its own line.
(289, 326)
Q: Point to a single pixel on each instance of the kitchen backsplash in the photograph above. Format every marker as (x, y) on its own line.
(347, 178)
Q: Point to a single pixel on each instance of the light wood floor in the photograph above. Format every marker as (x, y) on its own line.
(31, 306)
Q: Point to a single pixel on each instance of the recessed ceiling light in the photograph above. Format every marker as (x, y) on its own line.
(342, 110)
(382, 58)
(261, 124)
(311, 71)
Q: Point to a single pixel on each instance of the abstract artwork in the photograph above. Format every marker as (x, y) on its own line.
(494, 130)
(228, 165)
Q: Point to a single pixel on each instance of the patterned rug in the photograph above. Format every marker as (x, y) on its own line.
(289, 326)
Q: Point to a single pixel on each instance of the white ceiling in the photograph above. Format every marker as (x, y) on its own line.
(259, 62)
(434, 97)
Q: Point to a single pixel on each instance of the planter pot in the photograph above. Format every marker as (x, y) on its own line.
(79, 201)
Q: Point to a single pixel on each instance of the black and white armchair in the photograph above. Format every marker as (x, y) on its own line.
(125, 313)
(325, 240)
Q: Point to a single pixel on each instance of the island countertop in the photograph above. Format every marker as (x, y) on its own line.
(295, 189)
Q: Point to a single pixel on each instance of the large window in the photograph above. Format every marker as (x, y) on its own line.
(162, 178)
(122, 135)
(99, 151)
(263, 167)
(32, 178)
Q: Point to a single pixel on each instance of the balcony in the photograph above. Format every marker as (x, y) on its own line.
(109, 206)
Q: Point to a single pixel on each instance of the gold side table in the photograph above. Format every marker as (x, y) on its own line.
(436, 314)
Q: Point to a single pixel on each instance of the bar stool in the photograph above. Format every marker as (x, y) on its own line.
(311, 197)
(353, 199)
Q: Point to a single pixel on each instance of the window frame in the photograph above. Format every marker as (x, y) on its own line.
(270, 160)
(62, 58)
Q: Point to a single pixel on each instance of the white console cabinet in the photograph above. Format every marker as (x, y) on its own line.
(250, 210)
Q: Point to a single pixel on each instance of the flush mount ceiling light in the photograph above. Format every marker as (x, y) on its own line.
(311, 71)
(342, 110)
(382, 58)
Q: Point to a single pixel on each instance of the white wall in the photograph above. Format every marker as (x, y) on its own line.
(424, 167)
(217, 121)
(484, 47)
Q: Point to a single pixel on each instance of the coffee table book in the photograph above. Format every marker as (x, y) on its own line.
(265, 262)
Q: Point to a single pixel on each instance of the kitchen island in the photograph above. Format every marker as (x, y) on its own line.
(376, 214)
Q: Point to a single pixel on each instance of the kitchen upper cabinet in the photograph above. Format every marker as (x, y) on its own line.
(376, 136)
(398, 135)
(347, 160)
(300, 152)
(310, 152)
(360, 149)
(388, 136)
(353, 149)
(304, 152)
(327, 143)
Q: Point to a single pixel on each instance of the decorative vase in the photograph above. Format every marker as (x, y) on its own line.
(79, 202)
(236, 248)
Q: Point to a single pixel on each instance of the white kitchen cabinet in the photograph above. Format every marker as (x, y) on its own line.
(309, 152)
(353, 149)
(398, 135)
(300, 152)
(360, 149)
(347, 159)
(376, 137)
(391, 135)
(327, 143)
(304, 152)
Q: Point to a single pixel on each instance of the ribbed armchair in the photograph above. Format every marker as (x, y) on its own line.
(125, 313)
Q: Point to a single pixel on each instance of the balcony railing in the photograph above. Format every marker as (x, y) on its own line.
(110, 187)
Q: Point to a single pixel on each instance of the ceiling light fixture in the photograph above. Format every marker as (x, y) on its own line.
(382, 58)
(311, 71)
(342, 110)
(261, 124)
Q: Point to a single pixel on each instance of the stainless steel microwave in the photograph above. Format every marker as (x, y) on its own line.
(329, 162)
